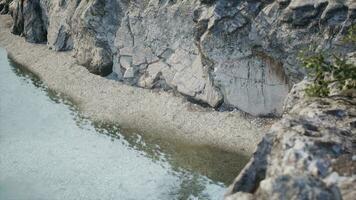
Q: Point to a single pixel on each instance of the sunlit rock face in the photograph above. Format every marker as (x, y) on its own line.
(238, 53)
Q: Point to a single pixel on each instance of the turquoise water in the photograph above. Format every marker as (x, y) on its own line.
(48, 151)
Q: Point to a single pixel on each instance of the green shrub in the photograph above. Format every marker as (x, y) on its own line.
(351, 34)
(325, 69)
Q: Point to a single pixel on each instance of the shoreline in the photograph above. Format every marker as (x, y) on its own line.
(137, 109)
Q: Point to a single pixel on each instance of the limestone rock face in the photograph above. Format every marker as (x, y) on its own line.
(238, 53)
(157, 40)
(309, 154)
(96, 23)
(30, 20)
(60, 34)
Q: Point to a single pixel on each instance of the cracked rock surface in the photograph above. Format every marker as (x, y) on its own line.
(309, 154)
(239, 54)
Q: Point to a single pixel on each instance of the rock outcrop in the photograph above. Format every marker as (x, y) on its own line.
(219, 52)
(223, 53)
(309, 154)
(30, 20)
(4, 6)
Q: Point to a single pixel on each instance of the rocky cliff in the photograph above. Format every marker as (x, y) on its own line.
(218, 52)
(223, 53)
(309, 154)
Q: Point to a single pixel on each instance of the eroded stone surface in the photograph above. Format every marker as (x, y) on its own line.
(239, 53)
(307, 155)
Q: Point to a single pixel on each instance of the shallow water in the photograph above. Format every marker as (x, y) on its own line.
(48, 151)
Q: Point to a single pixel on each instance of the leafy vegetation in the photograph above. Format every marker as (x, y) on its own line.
(326, 70)
(351, 35)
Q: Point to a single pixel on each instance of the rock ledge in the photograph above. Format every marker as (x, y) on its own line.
(309, 154)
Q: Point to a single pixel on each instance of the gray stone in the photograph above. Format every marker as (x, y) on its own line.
(5, 6)
(96, 23)
(239, 53)
(306, 155)
(29, 20)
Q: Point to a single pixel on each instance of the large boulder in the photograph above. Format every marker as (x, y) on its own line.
(309, 154)
(94, 25)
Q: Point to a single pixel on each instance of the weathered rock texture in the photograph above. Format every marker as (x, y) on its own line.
(237, 53)
(309, 154)
(4, 6)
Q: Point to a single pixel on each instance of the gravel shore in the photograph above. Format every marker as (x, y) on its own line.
(141, 110)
